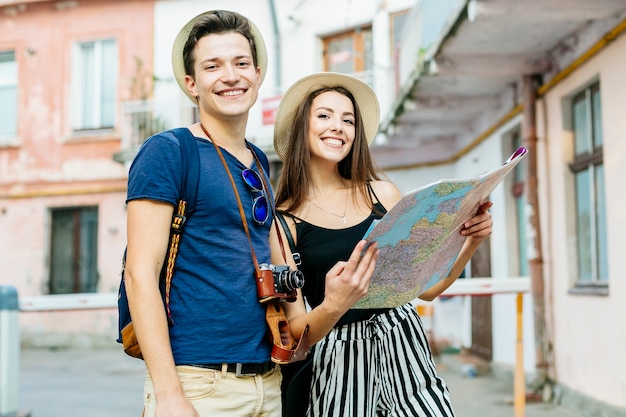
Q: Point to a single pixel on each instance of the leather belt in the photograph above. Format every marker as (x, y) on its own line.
(241, 369)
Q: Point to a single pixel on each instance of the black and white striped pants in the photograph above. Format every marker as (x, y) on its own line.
(379, 367)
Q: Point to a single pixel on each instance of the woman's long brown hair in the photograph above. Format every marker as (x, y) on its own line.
(295, 178)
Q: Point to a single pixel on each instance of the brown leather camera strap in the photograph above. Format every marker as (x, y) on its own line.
(232, 182)
(286, 349)
(241, 210)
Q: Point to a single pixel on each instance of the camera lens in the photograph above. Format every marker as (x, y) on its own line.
(290, 280)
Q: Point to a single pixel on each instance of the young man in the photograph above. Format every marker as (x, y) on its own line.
(208, 352)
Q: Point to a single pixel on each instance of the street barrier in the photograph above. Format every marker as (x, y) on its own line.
(9, 352)
(68, 302)
(491, 286)
(9, 357)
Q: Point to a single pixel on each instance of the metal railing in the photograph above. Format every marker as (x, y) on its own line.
(489, 286)
(139, 122)
(63, 302)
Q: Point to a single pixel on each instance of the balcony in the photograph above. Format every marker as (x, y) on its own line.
(430, 21)
(138, 122)
(459, 67)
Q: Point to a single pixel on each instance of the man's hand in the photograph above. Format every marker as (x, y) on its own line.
(175, 406)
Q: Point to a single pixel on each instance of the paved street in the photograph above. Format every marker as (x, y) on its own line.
(487, 396)
(107, 383)
(76, 383)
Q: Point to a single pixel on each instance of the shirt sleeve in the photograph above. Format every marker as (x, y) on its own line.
(155, 173)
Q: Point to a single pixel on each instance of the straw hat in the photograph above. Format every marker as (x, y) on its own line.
(363, 94)
(179, 43)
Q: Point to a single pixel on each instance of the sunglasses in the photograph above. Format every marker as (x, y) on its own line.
(260, 205)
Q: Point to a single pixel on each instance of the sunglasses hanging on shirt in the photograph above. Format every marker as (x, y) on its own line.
(260, 205)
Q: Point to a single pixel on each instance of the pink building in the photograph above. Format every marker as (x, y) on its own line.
(67, 70)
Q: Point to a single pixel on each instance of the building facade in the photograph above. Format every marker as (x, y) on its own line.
(461, 85)
(507, 74)
(65, 70)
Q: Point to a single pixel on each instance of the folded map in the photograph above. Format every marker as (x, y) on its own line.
(419, 238)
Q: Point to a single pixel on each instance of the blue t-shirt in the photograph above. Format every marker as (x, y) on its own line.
(214, 304)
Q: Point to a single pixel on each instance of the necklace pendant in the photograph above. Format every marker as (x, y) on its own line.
(343, 218)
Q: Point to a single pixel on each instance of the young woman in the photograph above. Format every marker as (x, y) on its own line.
(373, 362)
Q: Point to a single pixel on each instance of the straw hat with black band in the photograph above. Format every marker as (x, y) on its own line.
(363, 95)
(179, 44)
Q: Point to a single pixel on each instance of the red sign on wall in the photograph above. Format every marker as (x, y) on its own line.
(270, 107)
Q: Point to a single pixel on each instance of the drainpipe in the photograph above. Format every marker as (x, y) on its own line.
(535, 258)
(278, 82)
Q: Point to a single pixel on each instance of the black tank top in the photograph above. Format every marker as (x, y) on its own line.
(321, 248)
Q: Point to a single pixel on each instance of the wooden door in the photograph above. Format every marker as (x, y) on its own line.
(482, 345)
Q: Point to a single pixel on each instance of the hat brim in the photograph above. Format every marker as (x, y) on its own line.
(363, 94)
(178, 64)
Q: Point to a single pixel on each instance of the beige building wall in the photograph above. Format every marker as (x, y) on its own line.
(587, 331)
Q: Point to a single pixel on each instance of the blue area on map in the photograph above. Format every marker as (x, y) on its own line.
(428, 208)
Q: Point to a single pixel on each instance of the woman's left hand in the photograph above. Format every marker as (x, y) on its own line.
(480, 225)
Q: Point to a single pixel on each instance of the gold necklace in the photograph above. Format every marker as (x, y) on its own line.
(342, 217)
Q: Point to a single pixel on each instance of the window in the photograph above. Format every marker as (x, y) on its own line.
(397, 22)
(8, 97)
(588, 170)
(95, 85)
(73, 250)
(518, 188)
(350, 53)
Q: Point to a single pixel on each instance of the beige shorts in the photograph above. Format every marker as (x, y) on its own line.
(220, 393)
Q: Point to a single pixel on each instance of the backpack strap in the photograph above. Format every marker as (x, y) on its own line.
(296, 255)
(190, 177)
(190, 167)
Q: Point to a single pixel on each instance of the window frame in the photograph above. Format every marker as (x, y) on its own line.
(362, 67)
(518, 190)
(81, 240)
(80, 100)
(589, 160)
(12, 82)
(397, 24)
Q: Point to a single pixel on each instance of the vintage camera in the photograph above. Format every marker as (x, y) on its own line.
(278, 281)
